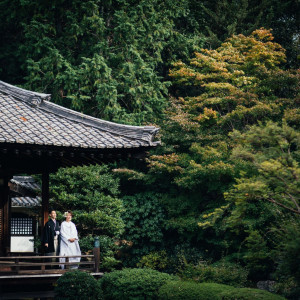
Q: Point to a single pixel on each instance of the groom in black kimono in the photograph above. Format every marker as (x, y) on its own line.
(50, 237)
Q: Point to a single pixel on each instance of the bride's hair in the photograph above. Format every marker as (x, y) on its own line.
(68, 212)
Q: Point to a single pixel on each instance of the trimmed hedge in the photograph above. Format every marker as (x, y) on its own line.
(133, 284)
(192, 291)
(188, 290)
(249, 294)
(77, 285)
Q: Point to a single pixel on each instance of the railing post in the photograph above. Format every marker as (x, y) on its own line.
(96, 252)
(43, 267)
(17, 264)
(67, 260)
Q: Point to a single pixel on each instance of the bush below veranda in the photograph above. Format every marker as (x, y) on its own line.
(134, 284)
(77, 285)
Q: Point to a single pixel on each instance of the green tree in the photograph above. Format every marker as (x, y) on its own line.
(266, 196)
(222, 18)
(103, 58)
(91, 192)
(221, 92)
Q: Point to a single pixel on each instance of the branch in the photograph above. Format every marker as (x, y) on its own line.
(286, 207)
(287, 193)
(295, 202)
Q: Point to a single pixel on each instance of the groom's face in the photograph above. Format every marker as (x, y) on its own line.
(53, 214)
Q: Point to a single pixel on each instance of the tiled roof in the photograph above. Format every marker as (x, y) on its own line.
(26, 182)
(26, 201)
(28, 118)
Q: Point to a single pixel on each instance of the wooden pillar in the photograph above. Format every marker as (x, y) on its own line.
(1, 217)
(4, 215)
(45, 196)
(96, 252)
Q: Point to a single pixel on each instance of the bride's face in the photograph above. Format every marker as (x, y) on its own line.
(68, 217)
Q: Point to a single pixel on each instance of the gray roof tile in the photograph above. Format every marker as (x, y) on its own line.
(26, 201)
(28, 118)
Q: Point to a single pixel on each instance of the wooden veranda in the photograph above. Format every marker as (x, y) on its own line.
(33, 276)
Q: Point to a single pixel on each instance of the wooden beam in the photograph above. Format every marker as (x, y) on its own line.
(45, 196)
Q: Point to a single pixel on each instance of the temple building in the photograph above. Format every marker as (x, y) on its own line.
(38, 137)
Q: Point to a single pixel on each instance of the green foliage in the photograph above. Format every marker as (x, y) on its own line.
(143, 220)
(249, 294)
(208, 291)
(219, 272)
(91, 193)
(264, 198)
(133, 284)
(103, 58)
(288, 288)
(224, 82)
(108, 249)
(219, 91)
(274, 152)
(77, 285)
(220, 19)
(87, 243)
(257, 256)
(154, 260)
(286, 256)
(192, 291)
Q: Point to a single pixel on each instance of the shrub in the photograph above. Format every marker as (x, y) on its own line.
(155, 260)
(192, 291)
(143, 220)
(133, 284)
(221, 272)
(108, 249)
(288, 288)
(86, 243)
(249, 294)
(77, 285)
(207, 291)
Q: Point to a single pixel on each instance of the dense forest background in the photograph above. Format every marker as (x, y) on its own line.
(221, 80)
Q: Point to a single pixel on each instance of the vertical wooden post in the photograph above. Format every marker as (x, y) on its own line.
(1, 217)
(67, 261)
(17, 264)
(43, 266)
(45, 196)
(96, 252)
(4, 215)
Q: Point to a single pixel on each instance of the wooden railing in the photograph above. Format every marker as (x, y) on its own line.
(44, 264)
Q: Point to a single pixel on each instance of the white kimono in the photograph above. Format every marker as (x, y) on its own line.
(68, 231)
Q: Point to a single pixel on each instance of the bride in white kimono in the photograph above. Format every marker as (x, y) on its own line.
(69, 245)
